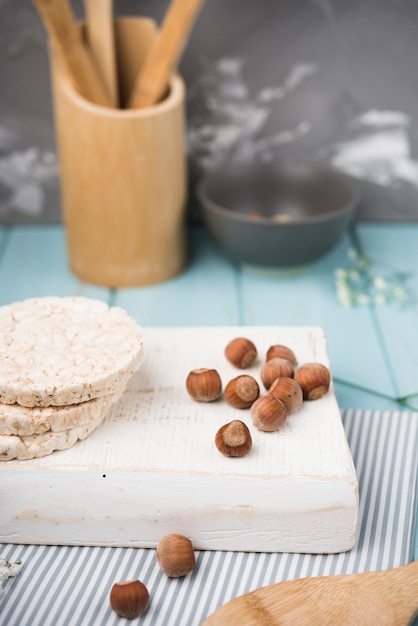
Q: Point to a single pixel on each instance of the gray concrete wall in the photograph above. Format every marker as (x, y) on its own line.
(328, 81)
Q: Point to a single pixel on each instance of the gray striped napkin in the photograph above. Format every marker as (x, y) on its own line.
(63, 586)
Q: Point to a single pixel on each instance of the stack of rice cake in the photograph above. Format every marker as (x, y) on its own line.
(63, 363)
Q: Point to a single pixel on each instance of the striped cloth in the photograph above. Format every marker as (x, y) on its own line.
(69, 586)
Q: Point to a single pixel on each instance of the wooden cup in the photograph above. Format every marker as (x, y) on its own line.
(123, 174)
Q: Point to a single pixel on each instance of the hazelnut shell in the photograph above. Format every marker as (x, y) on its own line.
(289, 392)
(234, 439)
(175, 555)
(204, 384)
(241, 352)
(277, 367)
(281, 351)
(129, 598)
(242, 391)
(314, 378)
(268, 413)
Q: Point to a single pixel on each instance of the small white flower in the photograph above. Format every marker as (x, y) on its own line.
(341, 284)
(363, 299)
(7, 569)
(354, 283)
(399, 293)
(354, 274)
(379, 282)
(379, 299)
(14, 569)
(345, 296)
(362, 262)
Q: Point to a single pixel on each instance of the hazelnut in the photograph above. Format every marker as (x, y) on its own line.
(281, 351)
(204, 385)
(314, 378)
(276, 368)
(234, 439)
(129, 598)
(289, 392)
(242, 391)
(268, 413)
(241, 352)
(175, 555)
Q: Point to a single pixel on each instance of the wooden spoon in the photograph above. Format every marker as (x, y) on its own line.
(386, 598)
(66, 37)
(159, 63)
(100, 33)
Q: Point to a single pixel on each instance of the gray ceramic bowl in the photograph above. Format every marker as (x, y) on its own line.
(276, 219)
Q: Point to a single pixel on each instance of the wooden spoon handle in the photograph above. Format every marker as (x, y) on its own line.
(65, 35)
(165, 53)
(100, 32)
(387, 597)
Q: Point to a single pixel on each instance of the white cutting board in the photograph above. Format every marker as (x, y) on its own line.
(152, 467)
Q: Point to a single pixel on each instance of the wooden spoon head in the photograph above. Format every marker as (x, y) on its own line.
(387, 598)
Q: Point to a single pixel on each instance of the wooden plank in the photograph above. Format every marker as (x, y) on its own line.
(307, 297)
(34, 264)
(154, 459)
(395, 246)
(204, 294)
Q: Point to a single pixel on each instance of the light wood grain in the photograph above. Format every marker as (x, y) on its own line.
(123, 182)
(66, 38)
(153, 79)
(129, 45)
(295, 492)
(387, 598)
(100, 33)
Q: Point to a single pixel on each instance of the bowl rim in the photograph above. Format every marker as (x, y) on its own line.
(346, 208)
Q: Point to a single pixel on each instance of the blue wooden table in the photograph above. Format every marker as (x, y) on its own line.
(373, 345)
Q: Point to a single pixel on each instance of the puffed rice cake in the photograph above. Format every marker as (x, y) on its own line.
(36, 446)
(24, 421)
(60, 351)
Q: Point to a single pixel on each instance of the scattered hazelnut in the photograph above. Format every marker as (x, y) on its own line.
(175, 555)
(289, 392)
(242, 391)
(234, 439)
(268, 413)
(204, 385)
(276, 368)
(314, 378)
(241, 352)
(129, 598)
(277, 350)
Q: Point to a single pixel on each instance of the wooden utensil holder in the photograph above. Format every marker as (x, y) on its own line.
(123, 174)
